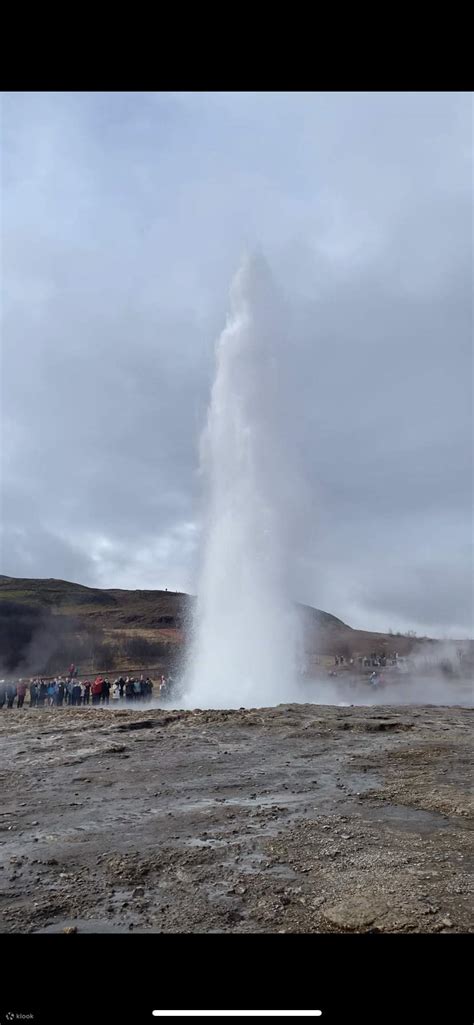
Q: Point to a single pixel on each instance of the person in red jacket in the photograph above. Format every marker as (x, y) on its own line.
(97, 690)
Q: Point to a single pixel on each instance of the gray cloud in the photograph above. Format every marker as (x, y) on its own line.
(123, 219)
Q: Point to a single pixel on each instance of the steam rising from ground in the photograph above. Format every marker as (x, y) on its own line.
(246, 631)
(431, 689)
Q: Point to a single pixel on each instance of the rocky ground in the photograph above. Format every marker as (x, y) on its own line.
(298, 818)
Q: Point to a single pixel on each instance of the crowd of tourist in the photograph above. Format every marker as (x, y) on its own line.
(68, 690)
(373, 659)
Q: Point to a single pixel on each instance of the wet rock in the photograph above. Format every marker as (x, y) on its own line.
(355, 913)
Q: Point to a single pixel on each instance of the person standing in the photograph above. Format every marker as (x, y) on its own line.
(136, 689)
(20, 692)
(97, 690)
(33, 694)
(87, 692)
(60, 694)
(121, 684)
(128, 688)
(11, 692)
(105, 692)
(3, 693)
(76, 692)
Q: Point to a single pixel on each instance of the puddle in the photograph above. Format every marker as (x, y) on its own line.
(281, 871)
(411, 820)
(195, 842)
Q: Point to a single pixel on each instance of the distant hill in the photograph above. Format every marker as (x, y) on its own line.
(114, 608)
(51, 592)
(46, 623)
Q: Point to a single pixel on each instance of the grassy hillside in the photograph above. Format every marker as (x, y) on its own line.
(52, 593)
(45, 624)
(115, 607)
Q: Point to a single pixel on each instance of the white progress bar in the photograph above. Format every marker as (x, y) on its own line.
(237, 1014)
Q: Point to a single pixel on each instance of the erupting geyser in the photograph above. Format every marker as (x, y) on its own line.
(245, 644)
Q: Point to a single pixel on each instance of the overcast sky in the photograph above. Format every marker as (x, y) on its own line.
(124, 218)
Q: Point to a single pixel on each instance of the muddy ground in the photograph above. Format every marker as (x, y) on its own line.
(298, 818)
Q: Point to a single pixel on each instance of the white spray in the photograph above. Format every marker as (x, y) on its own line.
(245, 644)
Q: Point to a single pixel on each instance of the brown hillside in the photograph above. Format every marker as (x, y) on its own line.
(116, 609)
(46, 622)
